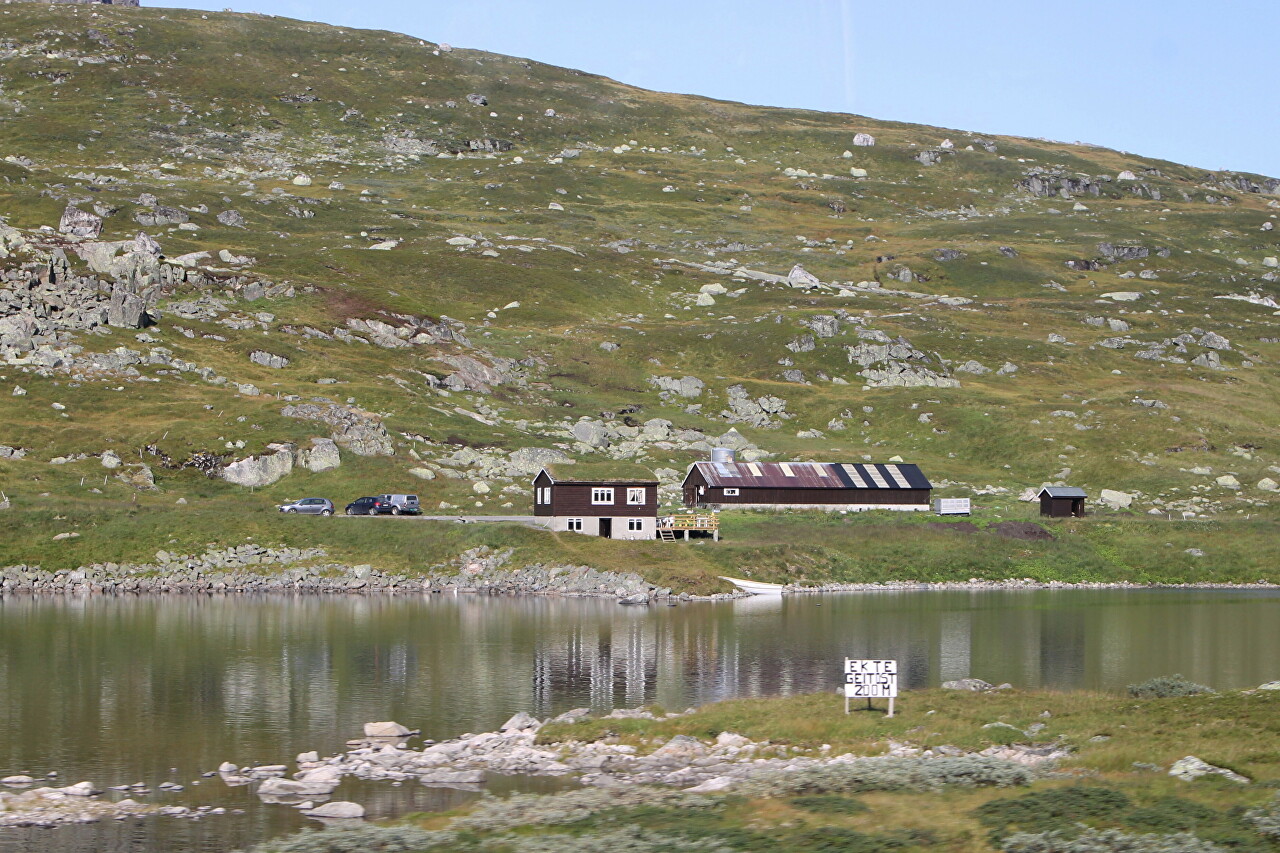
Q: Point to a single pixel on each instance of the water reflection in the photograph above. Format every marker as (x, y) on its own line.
(152, 690)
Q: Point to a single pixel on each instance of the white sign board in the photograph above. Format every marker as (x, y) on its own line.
(870, 679)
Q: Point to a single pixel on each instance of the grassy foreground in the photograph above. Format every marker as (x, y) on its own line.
(1113, 793)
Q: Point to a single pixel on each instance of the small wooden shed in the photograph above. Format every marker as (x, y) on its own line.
(1062, 502)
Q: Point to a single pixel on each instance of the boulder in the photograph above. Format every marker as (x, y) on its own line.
(323, 455)
(233, 218)
(802, 279)
(267, 359)
(864, 140)
(79, 223)
(275, 787)
(1267, 484)
(975, 685)
(255, 471)
(1228, 482)
(1115, 499)
(341, 809)
(110, 459)
(1191, 768)
(591, 433)
(386, 729)
(521, 722)
(685, 386)
(161, 216)
(531, 460)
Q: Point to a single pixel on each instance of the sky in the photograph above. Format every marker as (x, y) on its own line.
(1191, 82)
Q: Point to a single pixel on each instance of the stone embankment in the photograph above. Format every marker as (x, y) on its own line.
(260, 569)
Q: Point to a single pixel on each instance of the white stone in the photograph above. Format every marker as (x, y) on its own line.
(1228, 482)
(386, 729)
(864, 140)
(857, 172)
(1271, 262)
(1267, 484)
(1190, 768)
(1115, 499)
(339, 809)
(555, 205)
(302, 180)
(1123, 296)
(460, 241)
(110, 459)
(704, 300)
(1126, 175)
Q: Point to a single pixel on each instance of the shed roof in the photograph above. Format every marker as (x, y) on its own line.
(599, 472)
(1063, 492)
(812, 475)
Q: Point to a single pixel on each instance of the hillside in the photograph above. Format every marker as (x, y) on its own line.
(459, 266)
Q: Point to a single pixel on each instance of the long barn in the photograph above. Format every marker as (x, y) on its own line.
(806, 485)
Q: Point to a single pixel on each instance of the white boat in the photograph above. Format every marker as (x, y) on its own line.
(755, 587)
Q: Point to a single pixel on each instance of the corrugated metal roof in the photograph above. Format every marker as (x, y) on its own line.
(1064, 492)
(812, 475)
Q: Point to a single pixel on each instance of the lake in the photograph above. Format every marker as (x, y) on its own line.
(124, 690)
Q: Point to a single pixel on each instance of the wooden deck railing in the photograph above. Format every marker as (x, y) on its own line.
(689, 521)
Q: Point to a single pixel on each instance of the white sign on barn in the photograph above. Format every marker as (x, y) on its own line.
(870, 679)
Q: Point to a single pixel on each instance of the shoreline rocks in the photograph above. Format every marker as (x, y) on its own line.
(257, 569)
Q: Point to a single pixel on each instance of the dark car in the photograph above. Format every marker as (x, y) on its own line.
(369, 506)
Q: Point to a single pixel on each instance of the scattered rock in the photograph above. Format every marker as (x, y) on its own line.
(340, 809)
(1191, 768)
(386, 729)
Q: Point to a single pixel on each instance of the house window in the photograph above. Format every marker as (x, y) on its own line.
(543, 495)
(635, 497)
(634, 524)
(730, 493)
(602, 496)
(574, 525)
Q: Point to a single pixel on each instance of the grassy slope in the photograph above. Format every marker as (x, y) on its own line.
(192, 136)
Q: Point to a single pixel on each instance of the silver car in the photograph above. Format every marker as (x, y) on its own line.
(308, 506)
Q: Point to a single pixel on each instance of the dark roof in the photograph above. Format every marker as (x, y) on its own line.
(812, 475)
(599, 472)
(1064, 492)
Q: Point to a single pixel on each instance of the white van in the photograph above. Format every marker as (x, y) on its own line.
(402, 504)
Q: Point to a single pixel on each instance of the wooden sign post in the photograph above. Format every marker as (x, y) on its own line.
(870, 679)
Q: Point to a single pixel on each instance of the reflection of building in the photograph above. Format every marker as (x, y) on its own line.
(613, 501)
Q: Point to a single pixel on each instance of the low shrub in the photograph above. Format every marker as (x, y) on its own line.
(1056, 809)
(1106, 841)
(1166, 686)
(889, 774)
(495, 814)
(628, 839)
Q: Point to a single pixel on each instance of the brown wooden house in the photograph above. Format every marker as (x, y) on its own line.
(614, 501)
(1062, 502)
(726, 483)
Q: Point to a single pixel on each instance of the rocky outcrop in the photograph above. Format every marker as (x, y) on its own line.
(255, 471)
(1046, 184)
(757, 411)
(322, 455)
(890, 363)
(686, 386)
(41, 302)
(359, 431)
(79, 223)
